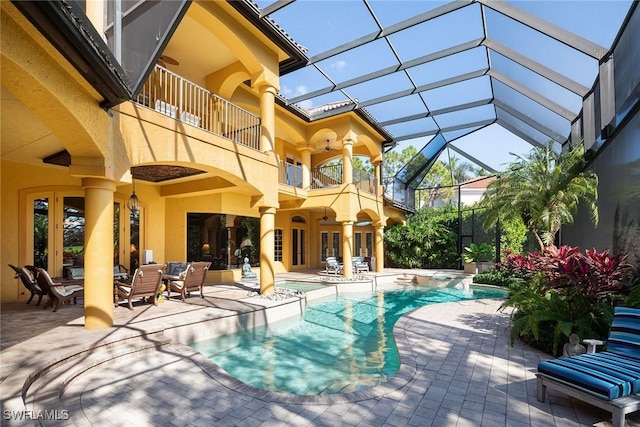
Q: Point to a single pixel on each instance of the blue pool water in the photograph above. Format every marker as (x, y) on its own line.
(342, 344)
(301, 286)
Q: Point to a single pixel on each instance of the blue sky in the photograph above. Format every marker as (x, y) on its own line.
(322, 25)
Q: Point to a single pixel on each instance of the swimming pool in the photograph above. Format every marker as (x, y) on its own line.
(301, 286)
(342, 343)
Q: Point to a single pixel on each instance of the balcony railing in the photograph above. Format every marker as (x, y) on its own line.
(290, 174)
(331, 176)
(326, 177)
(364, 181)
(176, 97)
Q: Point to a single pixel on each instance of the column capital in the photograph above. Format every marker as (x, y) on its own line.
(347, 142)
(305, 147)
(103, 183)
(267, 210)
(266, 87)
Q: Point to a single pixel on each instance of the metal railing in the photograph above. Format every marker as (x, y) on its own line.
(331, 176)
(176, 97)
(364, 181)
(290, 174)
(326, 176)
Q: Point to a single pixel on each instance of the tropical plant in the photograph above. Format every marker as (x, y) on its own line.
(544, 190)
(566, 291)
(478, 253)
(428, 240)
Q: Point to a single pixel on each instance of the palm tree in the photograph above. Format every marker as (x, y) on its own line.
(544, 190)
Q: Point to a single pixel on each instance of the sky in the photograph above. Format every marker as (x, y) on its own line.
(322, 25)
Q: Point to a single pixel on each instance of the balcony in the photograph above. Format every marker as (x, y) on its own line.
(180, 99)
(323, 177)
(290, 174)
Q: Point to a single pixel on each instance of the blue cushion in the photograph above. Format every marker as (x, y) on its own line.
(610, 374)
(605, 380)
(624, 336)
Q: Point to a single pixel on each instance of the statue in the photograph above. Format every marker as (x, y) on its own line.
(246, 270)
(573, 347)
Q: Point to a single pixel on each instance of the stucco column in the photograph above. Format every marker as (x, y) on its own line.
(379, 246)
(267, 114)
(267, 247)
(347, 248)
(305, 153)
(98, 253)
(377, 170)
(347, 161)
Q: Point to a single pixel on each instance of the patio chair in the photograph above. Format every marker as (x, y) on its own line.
(145, 283)
(59, 292)
(191, 279)
(359, 265)
(29, 282)
(609, 379)
(333, 266)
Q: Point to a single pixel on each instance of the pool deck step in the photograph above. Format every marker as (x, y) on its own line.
(48, 387)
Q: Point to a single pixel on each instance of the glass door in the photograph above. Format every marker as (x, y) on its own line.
(298, 245)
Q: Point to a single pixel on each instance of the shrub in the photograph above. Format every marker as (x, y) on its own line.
(565, 291)
(497, 277)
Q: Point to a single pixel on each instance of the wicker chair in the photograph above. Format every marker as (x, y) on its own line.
(192, 279)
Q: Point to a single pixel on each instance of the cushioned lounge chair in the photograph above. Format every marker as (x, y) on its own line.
(59, 292)
(191, 279)
(29, 282)
(333, 266)
(359, 265)
(609, 379)
(145, 283)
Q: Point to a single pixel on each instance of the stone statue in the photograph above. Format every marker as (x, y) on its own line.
(246, 270)
(573, 347)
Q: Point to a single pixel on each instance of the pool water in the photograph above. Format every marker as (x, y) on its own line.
(342, 344)
(301, 286)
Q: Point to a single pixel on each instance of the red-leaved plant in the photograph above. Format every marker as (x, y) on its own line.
(591, 274)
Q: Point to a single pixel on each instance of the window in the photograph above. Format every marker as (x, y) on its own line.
(277, 246)
(324, 245)
(358, 242)
(336, 244)
(369, 243)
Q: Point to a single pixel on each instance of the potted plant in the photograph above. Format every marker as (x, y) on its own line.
(477, 258)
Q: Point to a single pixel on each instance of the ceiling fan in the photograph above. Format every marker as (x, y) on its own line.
(165, 59)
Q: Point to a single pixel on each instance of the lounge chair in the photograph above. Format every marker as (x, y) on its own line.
(359, 265)
(29, 282)
(333, 266)
(59, 292)
(609, 379)
(191, 279)
(145, 283)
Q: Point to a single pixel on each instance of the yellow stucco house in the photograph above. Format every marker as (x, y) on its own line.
(176, 103)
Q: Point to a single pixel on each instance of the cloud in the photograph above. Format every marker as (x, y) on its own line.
(292, 93)
(338, 65)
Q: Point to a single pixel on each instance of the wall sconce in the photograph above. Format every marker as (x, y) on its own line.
(133, 203)
(328, 148)
(325, 217)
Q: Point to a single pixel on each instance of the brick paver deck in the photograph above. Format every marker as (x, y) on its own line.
(458, 369)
